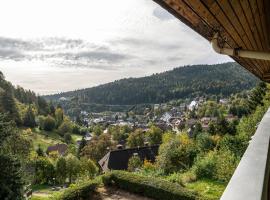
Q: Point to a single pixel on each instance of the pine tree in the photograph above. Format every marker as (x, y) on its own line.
(39, 151)
(29, 118)
(81, 146)
(11, 182)
(9, 105)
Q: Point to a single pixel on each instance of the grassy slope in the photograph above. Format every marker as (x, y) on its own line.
(48, 138)
(207, 188)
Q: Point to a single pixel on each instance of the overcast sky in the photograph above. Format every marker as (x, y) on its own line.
(59, 45)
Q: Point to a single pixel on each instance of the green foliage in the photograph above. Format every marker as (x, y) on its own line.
(208, 189)
(154, 135)
(220, 79)
(136, 139)
(18, 145)
(42, 105)
(134, 163)
(119, 133)
(205, 167)
(11, 181)
(88, 167)
(29, 118)
(73, 167)
(65, 127)
(61, 170)
(49, 123)
(176, 154)
(6, 128)
(9, 106)
(67, 138)
(59, 117)
(81, 146)
(97, 130)
(83, 191)
(217, 165)
(148, 186)
(205, 142)
(197, 129)
(256, 96)
(76, 129)
(97, 147)
(44, 171)
(40, 151)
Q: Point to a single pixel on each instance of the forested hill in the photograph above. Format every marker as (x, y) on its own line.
(182, 82)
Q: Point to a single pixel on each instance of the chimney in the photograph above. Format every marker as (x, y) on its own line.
(146, 144)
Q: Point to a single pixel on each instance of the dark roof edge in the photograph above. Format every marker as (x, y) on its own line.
(135, 148)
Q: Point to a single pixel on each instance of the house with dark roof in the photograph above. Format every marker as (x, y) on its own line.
(118, 159)
(60, 148)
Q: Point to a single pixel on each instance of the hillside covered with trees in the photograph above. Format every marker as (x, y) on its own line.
(182, 82)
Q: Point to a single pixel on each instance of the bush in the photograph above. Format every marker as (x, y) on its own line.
(205, 142)
(49, 123)
(134, 163)
(67, 138)
(148, 186)
(178, 153)
(65, 127)
(81, 191)
(205, 167)
(217, 165)
(182, 178)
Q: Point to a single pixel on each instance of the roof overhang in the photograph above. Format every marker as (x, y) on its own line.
(240, 25)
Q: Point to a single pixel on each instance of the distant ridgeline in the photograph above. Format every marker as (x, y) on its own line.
(179, 83)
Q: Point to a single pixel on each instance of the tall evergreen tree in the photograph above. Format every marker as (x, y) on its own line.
(29, 118)
(11, 182)
(9, 105)
(81, 146)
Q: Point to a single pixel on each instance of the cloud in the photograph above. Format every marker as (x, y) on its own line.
(11, 54)
(146, 43)
(162, 14)
(62, 52)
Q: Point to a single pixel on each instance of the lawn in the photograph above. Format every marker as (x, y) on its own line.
(39, 198)
(208, 189)
(76, 137)
(44, 138)
(47, 138)
(43, 192)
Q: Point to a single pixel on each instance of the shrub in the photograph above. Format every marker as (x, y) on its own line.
(67, 138)
(182, 178)
(65, 127)
(80, 192)
(148, 186)
(88, 167)
(134, 163)
(205, 167)
(176, 154)
(217, 165)
(148, 166)
(49, 123)
(226, 164)
(205, 142)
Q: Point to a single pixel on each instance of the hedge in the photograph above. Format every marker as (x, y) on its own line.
(151, 187)
(80, 192)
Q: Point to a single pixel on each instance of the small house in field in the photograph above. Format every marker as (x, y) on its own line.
(60, 148)
(118, 159)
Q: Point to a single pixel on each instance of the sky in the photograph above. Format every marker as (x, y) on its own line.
(61, 45)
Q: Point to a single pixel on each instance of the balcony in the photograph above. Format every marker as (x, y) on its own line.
(251, 178)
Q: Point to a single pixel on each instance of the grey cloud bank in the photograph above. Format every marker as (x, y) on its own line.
(91, 48)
